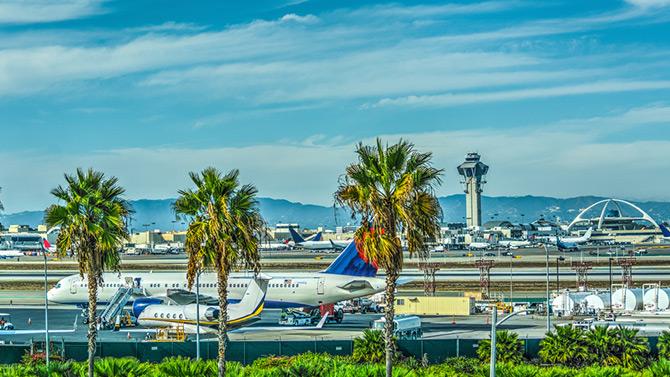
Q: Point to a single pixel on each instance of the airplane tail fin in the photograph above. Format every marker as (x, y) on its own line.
(254, 296)
(296, 237)
(588, 233)
(664, 230)
(317, 237)
(350, 262)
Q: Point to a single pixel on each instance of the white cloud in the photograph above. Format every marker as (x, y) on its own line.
(307, 19)
(41, 11)
(543, 159)
(649, 3)
(455, 99)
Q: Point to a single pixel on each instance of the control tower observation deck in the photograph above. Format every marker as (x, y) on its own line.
(473, 172)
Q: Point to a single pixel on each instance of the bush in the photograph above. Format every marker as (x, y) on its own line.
(508, 346)
(371, 347)
(182, 366)
(663, 345)
(565, 346)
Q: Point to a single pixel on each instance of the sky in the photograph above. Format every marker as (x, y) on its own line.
(561, 98)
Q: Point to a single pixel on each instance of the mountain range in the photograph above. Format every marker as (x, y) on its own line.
(158, 214)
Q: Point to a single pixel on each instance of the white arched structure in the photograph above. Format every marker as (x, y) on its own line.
(602, 218)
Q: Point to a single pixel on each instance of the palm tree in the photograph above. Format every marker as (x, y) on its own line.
(509, 348)
(90, 213)
(633, 349)
(391, 189)
(602, 345)
(566, 346)
(224, 231)
(663, 345)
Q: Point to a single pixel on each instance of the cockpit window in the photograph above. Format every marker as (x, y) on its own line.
(57, 285)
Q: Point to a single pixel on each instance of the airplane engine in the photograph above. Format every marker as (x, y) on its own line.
(212, 313)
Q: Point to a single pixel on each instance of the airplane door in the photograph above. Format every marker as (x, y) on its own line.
(320, 286)
(73, 287)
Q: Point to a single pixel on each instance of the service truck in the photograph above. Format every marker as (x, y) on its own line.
(405, 326)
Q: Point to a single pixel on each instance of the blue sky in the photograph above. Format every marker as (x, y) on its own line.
(561, 98)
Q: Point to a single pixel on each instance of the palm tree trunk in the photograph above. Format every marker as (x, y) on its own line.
(223, 316)
(92, 322)
(389, 314)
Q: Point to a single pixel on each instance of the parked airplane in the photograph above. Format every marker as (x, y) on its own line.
(9, 253)
(347, 277)
(170, 314)
(572, 240)
(479, 246)
(665, 231)
(316, 243)
(514, 244)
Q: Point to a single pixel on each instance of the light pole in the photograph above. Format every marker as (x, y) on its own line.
(46, 308)
(511, 290)
(610, 290)
(197, 316)
(558, 283)
(494, 324)
(546, 253)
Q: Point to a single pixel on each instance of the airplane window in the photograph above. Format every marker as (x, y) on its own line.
(161, 315)
(57, 285)
(174, 316)
(181, 316)
(155, 315)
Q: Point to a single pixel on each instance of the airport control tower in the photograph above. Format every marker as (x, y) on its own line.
(473, 172)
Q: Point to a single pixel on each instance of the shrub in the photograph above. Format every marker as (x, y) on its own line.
(565, 346)
(182, 366)
(661, 368)
(508, 346)
(663, 345)
(121, 367)
(371, 347)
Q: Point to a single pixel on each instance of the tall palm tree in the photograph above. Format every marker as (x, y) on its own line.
(391, 189)
(91, 213)
(224, 231)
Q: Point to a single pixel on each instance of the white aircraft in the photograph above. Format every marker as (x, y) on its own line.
(572, 240)
(347, 277)
(12, 331)
(10, 253)
(479, 246)
(316, 243)
(514, 244)
(171, 314)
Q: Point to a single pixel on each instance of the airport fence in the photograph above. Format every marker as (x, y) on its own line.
(245, 352)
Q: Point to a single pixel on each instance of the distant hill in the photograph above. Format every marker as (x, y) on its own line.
(158, 214)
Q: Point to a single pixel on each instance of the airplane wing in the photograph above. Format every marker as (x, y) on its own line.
(40, 331)
(282, 328)
(184, 297)
(404, 280)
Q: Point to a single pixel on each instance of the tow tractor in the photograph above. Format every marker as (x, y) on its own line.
(298, 317)
(6, 321)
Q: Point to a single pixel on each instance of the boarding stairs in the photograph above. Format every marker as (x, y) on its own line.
(116, 305)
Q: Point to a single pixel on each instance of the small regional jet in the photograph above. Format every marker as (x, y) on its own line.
(316, 243)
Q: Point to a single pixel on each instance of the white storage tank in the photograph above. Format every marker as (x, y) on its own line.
(597, 302)
(627, 299)
(567, 302)
(656, 299)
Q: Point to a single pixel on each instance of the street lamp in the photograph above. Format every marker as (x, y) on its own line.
(46, 307)
(546, 254)
(610, 290)
(558, 259)
(197, 316)
(511, 276)
(494, 324)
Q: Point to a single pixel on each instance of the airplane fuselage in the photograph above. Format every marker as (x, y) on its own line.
(285, 290)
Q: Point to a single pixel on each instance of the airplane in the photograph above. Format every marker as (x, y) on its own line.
(316, 243)
(13, 331)
(479, 246)
(514, 244)
(566, 246)
(156, 315)
(10, 253)
(347, 277)
(572, 240)
(665, 231)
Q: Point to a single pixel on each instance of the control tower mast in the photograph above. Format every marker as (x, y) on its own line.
(473, 172)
